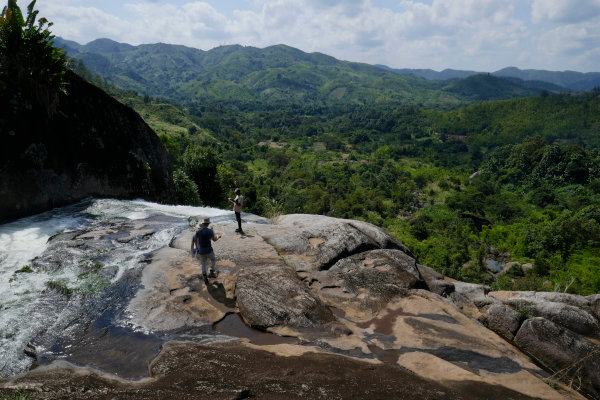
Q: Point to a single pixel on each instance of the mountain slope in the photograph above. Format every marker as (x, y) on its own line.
(549, 80)
(431, 74)
(569, 79)
(488, 87)
(248, 76)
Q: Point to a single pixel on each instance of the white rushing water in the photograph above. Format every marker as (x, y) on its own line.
(27, 307)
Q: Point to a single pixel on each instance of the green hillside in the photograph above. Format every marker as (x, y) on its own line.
(254, 78)
(487, 87)
(557, 118)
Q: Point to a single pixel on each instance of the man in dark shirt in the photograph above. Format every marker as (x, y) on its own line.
(201, 245)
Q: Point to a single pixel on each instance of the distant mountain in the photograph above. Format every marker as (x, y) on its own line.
(431, 74)
(538, 79)
(541, 85)
(488, 87)
(278, 75)
(569, 79)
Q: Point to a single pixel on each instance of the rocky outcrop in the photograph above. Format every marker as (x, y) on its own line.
(574, 318)
(436, 281)
(595, 304)
(313, 242)
(356, 305)
(367, 282)
(91, 145)
(503, 320)
(559, 330)
(567, 354)
(273, 296)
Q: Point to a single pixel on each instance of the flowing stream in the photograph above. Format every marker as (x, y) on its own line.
(66, 273)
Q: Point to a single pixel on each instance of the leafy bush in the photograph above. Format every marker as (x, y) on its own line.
(186, 189)
(28, 60)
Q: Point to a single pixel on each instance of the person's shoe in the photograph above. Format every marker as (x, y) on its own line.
(212, 273)
(238, 230)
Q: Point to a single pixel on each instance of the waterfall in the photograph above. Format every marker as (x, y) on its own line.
(61, 268)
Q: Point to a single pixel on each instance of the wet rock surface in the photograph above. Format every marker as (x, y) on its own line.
(360, 318)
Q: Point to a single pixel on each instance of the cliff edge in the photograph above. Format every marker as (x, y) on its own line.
(91, 145)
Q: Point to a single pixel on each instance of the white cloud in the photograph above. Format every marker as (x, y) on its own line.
(103, 25)
(564, 11)
(468, 34)
(579, 43)
(192, 23)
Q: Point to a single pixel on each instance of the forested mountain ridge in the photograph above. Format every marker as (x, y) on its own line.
(551, 80)
(488, 87)
(251, 77)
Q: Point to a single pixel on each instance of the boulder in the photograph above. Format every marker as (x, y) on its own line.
(435, 281)
(572, 357)
(369, 280)
(503, 320)
(555, 297)
(595, 304)
(476, 293)
(571, 317)
(272, 296)
(315, 242)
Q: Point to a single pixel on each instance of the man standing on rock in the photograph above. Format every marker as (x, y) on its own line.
(203, 247)
(237, 208)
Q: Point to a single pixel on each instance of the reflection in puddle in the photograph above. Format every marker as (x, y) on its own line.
(338, 312)
(116, 350)
(232, 325)
(388, 356)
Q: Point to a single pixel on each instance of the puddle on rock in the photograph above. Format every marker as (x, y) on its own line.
(388, 356)
(232, 325)
(338, 312)
(115, 350)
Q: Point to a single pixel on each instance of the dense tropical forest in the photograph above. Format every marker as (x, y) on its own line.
(471, 173)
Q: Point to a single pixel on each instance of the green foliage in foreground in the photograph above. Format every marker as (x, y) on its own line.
(28, 60)
(16, 394)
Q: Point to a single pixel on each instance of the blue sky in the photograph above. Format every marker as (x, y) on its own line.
(481, 35)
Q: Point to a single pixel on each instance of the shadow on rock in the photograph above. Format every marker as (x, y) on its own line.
(217, 292)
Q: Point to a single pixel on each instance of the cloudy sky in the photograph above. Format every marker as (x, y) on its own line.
(481, 35)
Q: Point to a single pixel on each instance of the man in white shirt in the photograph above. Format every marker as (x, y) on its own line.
(237, 208)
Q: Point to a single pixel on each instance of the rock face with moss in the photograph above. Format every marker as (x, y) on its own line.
(89, 145)
(353, 305)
